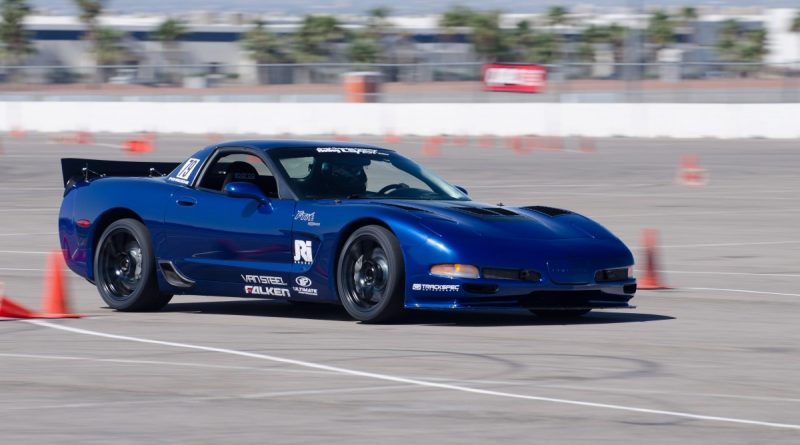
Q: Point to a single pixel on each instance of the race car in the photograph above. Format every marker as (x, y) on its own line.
(328, 222)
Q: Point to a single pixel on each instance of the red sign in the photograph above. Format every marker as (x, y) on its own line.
(514, 77)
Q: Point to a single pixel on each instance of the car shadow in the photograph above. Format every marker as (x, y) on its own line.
(474, 318)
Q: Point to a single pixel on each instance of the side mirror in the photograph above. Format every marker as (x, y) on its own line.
(245, 190)
(463, 190)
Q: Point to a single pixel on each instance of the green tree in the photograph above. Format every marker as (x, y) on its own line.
(109, 49)
(488, 39)
(90, 11)
(660, 29)
(795, 28)
(263, 47)
(313, 42)
(169, 33)
(364, 49)
(557, 16)
(16, 39)
(688, 15)
(737, 44)
(378, 23)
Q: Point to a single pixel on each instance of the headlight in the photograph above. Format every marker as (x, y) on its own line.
(617, 274)
(455, 271)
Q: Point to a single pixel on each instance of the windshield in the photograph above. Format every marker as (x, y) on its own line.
(356, 173)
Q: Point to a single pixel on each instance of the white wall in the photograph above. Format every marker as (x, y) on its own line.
(552, 119)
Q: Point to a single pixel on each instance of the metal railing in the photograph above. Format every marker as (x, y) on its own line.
(713, 82)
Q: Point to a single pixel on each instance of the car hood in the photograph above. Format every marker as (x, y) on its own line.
(491, 221)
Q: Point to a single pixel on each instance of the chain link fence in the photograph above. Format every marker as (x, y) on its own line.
(677, 82)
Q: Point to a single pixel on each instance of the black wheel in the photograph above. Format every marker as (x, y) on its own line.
(124, 268)
(558, 314)
(370, 275)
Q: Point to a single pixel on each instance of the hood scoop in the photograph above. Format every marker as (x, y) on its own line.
(486, 211)
(549, 211)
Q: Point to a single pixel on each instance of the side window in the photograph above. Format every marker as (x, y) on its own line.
(239, 167)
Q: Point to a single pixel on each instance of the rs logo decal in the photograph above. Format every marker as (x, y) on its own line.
(302, 252)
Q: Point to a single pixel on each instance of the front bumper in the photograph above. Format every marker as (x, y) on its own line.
(534, 296)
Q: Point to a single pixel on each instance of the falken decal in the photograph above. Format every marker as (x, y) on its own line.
(265, 290)
(303, 252)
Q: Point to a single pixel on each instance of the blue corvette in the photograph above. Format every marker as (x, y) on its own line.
(327, 222)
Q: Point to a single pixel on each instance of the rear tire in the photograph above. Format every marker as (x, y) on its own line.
(370, 275)
(560, 314)
(125, 268)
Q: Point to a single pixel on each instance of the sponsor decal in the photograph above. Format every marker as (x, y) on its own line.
(303, 252)
(302, 215)
(436, 287)
(265, 290)
(263, 279)
(244, 176)
(303, 288)
(187, 169)
(514, 77)
(182, 181)
(355, 151)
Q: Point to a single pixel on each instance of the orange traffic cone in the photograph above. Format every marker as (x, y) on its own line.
(11, 309)
(689, 173)
(54, 299)
(432, 146)
(391, 138)
(650, 279)
(486, 141)
(586, 145)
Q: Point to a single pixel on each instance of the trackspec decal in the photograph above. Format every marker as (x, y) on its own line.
(302, 287)
(355, 151)
(263, 279)
(303, 253)
(436, 287)
(302, 215)
(265, 290)
(187, 169)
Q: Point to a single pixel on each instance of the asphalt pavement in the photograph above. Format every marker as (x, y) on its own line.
(715, 359)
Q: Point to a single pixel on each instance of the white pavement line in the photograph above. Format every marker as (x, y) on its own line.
(416, 382)
(709, 272)
(758, 243)
(742, 291)
(17, 269)
(26, 252)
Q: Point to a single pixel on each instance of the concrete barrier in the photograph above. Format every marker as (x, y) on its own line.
(550, 119)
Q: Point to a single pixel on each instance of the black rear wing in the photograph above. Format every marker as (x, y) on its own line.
(97, 168)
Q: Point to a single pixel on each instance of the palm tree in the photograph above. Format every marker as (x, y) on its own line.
(364, 49)
(688, 15)
(660, 29)
(109, 49)
(456, 17)
(313, 42)
(263, 48)
(489, 41)
(378, 21)
(13, 33)
(90, 11)
(557, 16)
(169, 33)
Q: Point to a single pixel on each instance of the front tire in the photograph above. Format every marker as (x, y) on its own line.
(124, 268)
(370, 275)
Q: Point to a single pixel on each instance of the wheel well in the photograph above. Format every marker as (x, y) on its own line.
(352, 227)
(105, 220)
